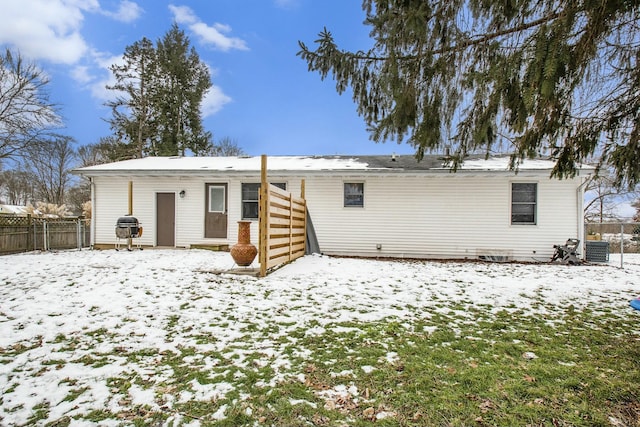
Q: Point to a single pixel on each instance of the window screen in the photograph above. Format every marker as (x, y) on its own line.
(523, 203)
(250, 198)
(353, 194)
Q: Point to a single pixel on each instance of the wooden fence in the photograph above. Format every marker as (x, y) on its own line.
(27, 233)
(282, 223)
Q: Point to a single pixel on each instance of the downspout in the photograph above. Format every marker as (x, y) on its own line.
(580, 212)
(92, 240)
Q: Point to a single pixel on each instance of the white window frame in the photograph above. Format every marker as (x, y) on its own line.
(534, 203)
(224, 198)
(344, 194)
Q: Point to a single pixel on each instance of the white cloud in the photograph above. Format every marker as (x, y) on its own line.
(214, 35)
(128, 11)
(213, 101)
(99, 85)
(51, 29)
(96, 76)
(183, 14)
(46, 29)
(81, 74)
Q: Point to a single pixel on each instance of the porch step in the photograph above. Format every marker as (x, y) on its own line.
(216, 248)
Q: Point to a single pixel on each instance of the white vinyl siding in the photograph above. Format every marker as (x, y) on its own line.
(112, 202)
(414, 216)
(441, 217)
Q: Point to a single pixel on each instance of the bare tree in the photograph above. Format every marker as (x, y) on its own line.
(106, 150)
(49, 162)
(95, 154)
(226, 147)
(16, 187)
(78, 196)
(26, 114)
(604, 198)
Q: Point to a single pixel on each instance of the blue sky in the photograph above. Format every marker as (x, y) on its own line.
(263, 96)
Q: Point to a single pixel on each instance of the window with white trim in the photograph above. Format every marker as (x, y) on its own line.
(524, 199)
(250, 193)
(217, 199)
(353, 194)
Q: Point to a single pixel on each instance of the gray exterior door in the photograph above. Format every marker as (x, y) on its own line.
(215, 211)
(165, 219)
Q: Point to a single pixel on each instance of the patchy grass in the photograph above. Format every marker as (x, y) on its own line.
(573, 368)
(464, 366)
(219, 351)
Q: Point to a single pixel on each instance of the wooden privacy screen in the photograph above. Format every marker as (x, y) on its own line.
(282, 223)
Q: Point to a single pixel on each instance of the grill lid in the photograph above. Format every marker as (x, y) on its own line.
(127, 221)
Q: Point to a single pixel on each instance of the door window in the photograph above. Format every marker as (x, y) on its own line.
(217, 199)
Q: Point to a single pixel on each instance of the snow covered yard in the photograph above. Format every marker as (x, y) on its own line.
(154, 337)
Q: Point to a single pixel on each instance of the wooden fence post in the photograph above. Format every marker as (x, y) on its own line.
(130, 210)
(303, 191)
(290, 227)
(263, 217)
(130, 198)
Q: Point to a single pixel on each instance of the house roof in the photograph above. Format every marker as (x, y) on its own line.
(13, 209)
(304, 164)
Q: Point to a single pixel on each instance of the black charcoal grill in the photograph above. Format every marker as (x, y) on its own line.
(128, 227)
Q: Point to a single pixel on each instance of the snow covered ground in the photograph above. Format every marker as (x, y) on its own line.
(71, 322)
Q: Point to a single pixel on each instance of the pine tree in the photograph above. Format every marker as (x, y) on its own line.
(160, 90)
(185, 81)
(132, 109)
(527, 77)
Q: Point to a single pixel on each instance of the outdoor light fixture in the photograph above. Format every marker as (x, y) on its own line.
(182, 194)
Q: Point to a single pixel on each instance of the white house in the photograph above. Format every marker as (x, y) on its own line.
(373, 206)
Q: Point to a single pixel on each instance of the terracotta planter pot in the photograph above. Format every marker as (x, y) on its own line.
(243, 252)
